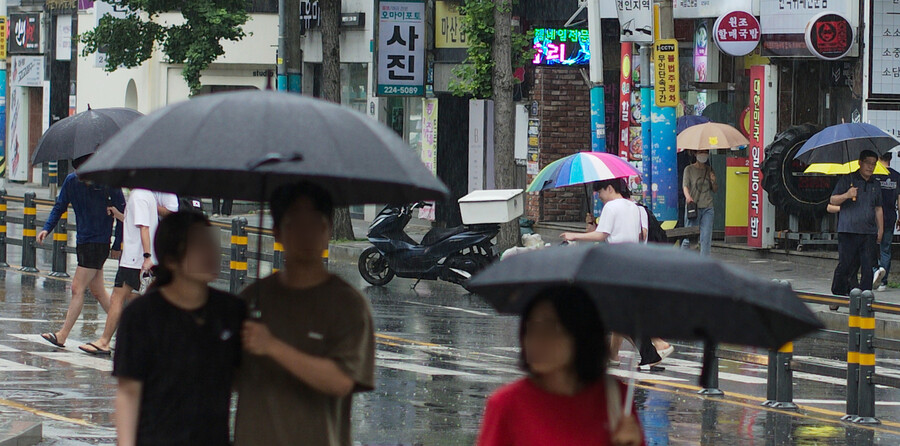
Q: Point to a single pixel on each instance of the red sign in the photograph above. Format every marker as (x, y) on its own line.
(737, 33)
(757, 154)
(625, 102)
(829, 36)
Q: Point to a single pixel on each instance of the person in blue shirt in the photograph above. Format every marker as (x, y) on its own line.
(94, 231)
(890, 198)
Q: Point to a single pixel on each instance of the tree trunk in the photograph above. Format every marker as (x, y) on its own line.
(330, 11)
(504, 114)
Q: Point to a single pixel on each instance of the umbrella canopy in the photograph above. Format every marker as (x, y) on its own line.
(711, 136)
(582, 168)
(842, 169)
(682, 123)
(842, 143)
(80, 135)
(644, 290)
(246, 144)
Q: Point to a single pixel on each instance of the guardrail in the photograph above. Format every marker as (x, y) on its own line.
(238, 255)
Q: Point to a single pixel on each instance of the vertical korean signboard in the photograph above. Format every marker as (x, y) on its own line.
(667, 86)
(761, 214)
(884, 52)
(625, 102)
(401, 48)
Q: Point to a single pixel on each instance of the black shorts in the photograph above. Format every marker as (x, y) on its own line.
(92, 255)
(128, 276)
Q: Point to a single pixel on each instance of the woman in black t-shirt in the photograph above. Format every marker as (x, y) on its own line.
(179, 345)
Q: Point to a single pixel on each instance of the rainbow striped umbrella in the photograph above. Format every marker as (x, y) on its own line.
(582, 168)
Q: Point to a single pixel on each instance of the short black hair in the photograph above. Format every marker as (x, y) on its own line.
(285, 196)
(867, 154)
(579, 316)
(618, 185)
(170, 243)
(887, 156)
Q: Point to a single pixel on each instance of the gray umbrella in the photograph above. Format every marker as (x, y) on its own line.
(244, 145)
(80, 135)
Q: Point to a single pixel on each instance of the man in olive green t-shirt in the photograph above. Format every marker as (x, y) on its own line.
(313, 344)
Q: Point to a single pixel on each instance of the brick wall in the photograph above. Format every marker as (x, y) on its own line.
(565, 112)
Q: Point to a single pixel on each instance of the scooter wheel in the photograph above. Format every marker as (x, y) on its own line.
(373, 267)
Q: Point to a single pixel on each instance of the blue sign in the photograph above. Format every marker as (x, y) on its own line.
(561, 47)
(647, 156)
(598, 120)
(664, 188)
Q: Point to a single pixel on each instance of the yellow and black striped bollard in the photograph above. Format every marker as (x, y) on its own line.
(29, 235)
(60, 242)
(238, 254)
(866, 360)
(3, 262)
(277, 257)
(853, 357)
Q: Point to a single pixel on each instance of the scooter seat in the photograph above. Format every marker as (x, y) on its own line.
(437, 235)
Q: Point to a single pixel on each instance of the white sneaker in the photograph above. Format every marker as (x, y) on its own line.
(664, 353)
(882, 288)
(879, 274)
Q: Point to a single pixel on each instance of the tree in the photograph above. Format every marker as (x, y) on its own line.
(196, 42)
(494, 49)
(330, 13)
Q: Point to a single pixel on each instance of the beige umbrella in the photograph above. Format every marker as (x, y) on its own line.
(711, 136)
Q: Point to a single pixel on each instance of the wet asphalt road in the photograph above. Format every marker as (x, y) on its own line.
(440, 353)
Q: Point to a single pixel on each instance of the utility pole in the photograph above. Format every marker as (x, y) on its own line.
(598, 108)
(290, 55)
(664, 166)
(3, 97)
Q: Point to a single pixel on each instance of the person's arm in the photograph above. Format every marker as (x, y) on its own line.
(128, 404)
(713, 184)
(322, 374)
(59, 208)
(849, 191)
(118, 201)
(879, 220)
(145, 243)
(594, 236)
(162, 211)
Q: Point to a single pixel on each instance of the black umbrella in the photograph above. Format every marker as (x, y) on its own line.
(80, 135)
(644, 290)
(244, 145)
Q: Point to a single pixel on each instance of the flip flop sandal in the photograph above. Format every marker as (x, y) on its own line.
(97, 351)
(51, 338)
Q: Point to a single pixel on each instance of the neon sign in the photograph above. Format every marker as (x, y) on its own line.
(561, 46)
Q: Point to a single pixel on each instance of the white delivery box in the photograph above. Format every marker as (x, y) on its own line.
(492, 206)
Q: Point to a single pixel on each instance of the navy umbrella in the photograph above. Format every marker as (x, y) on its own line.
(682, 123)
(80, 135)
(842, 143)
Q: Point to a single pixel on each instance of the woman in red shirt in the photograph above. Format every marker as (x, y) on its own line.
(567, 397)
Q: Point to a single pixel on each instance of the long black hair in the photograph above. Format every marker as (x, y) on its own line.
(580, 318)
(171, 242)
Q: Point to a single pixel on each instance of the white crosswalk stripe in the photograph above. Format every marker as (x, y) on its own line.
(12, 366)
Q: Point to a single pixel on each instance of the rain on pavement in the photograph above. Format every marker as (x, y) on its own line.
(440, 353)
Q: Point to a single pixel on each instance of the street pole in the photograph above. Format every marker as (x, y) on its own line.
(598, 112)
(663, 147)
(646, 143)
(3, 84)
(281, 72)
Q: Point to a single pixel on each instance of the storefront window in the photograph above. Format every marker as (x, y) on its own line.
(413, 125)
(353, 85)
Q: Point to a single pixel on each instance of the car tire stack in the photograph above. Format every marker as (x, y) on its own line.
(777, 169)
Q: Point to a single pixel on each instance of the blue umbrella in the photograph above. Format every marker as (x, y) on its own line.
(682, 123)
(842, 143)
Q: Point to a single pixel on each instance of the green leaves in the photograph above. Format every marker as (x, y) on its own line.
(474, 75)
(196, 42)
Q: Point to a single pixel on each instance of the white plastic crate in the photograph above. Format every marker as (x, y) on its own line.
(492, 206)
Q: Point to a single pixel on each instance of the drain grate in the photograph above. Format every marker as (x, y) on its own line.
(27, 394)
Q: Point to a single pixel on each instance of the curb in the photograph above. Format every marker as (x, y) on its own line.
(21, 433)
(837, 320)
(348, 252)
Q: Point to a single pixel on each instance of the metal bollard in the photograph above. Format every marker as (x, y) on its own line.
(853, 356)
(866, 360)
(325, 258)
(711, 377)
(3, 262)
(238, 254)
(784, 394)
(29, 234)
(277, 257)
(60, 242)
(772, 379)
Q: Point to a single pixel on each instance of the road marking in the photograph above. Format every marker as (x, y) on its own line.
(444, 307)
(79, 359)
(4, 348)
(37, 339)
(397, 338)
(41, 413)
(642, 376)
(422, 369)
(841, 402)
(15, 319)
(12, 366)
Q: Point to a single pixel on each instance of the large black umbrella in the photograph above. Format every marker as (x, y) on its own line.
(644, 290)
(843, 143)
(80, 135)
(244, 145)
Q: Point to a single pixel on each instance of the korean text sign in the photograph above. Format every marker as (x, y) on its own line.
(25, 33)
(561, 46)
(667, 82)
(757, 153)
(401, 48)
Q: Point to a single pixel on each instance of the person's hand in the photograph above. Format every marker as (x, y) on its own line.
(627, 433)
(851, 193)
(879, 238)
(257, 338)
(147, 265)
(115, 255)
(111, 210)
(712, 176)
(569, 236)
(42, 236)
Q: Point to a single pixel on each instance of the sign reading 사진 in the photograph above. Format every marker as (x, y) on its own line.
(401, 48)
(667, 87)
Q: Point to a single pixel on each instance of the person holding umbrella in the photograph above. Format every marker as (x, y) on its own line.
(311, 341)
(567, 397)
(860, 224)
(699, 185)
(92, 248)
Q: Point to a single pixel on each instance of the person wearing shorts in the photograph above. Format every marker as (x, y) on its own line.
(139, 220)
(95, 230)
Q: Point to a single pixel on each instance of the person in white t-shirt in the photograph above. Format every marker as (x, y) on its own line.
(142, 212)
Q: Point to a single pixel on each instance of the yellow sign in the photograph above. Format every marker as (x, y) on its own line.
(448, 26)
(665, 55)
(2, 38)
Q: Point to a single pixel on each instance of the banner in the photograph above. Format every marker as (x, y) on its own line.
(757, 154)
(667, 86)
(625, 102)
(26, 71)
(25, 33)
(664, 186)
(401, 48)
(429, 146)
(17, 138)
(448, 26)
(636, 19)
